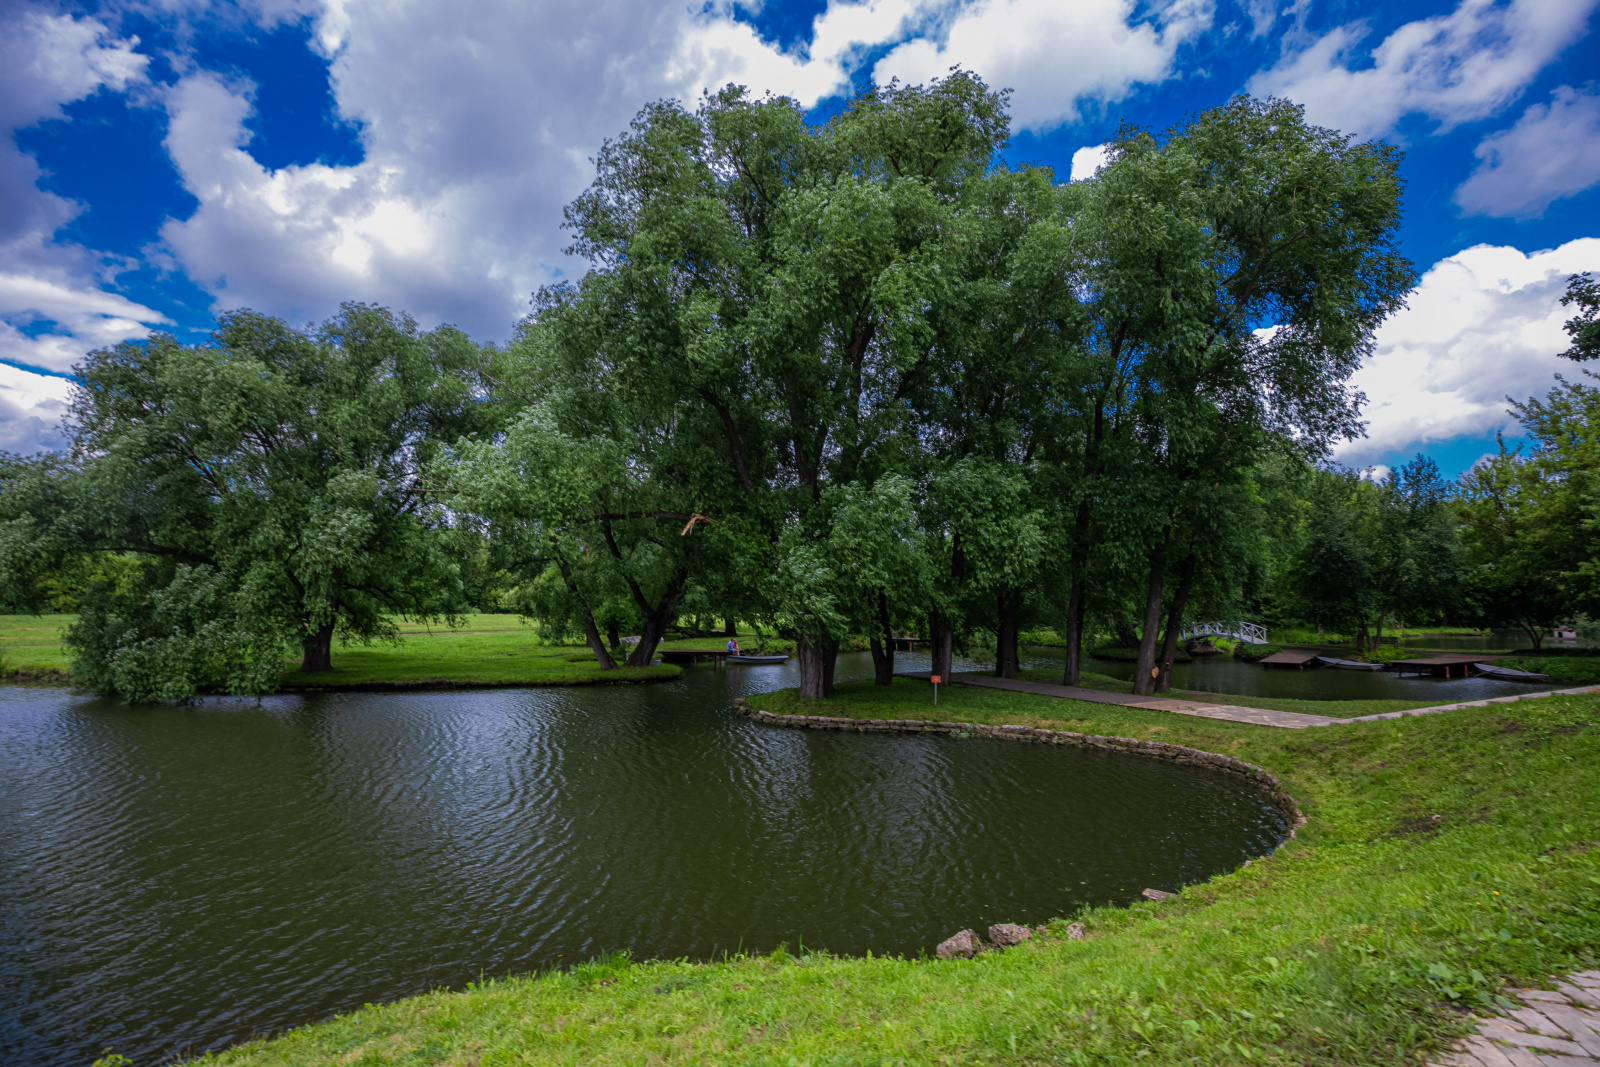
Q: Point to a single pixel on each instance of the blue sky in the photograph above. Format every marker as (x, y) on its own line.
(165, 160)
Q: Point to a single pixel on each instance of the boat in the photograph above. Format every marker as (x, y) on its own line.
(755, 661)
(1489, 670)
(1348, 664)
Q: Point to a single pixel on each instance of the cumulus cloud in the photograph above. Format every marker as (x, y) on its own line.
(1454, 68)
(1053, 55)
(31, 409)
(479, 121)
(1552, 152)
(1482, 325)
(52, 306)
(1085, 161)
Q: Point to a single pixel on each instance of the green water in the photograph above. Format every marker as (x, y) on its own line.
(177, 879)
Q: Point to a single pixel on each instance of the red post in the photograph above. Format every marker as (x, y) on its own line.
(935, 680)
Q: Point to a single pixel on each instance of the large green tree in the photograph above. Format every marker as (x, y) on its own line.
(1242, 263)
(270, 475)
(766, 279)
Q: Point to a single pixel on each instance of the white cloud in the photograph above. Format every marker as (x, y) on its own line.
(52, 306)
(1552, 152)
(31, 409)
(1085, 161)
(1482, 325)
(1054, 55)
(1453, 68)
(479, 119)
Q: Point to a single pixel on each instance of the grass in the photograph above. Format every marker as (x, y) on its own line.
(1444, 856)
(30, 647)
(485, 650)
(468, 657)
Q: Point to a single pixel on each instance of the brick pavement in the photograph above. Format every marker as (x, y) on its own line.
(1549, 1028)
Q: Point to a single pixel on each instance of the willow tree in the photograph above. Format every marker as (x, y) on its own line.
(1243, 262)
(268, 478)
(765, 279)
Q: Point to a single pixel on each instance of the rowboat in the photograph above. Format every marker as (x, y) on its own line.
(755, 661)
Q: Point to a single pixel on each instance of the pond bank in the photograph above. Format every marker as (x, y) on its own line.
(1444, 857)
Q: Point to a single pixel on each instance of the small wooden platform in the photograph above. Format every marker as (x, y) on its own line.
(1449, 664)
(1291, 657)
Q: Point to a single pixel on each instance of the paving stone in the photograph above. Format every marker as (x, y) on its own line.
(1501, 1031)
(1487, 1052)
(1587, 978)
(1588, 997)
(1536, 1021)
(1582, 1027)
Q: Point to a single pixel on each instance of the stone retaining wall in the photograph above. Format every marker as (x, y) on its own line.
(1180, 754)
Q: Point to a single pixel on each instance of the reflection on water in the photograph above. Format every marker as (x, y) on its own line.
(180, 878)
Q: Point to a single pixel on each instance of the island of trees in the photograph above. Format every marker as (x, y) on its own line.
(855, 379)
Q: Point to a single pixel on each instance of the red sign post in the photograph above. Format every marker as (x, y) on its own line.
(935, 679)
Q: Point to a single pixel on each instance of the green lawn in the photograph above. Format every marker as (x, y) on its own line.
(30, 646)
(484, 650)
(1444, 856)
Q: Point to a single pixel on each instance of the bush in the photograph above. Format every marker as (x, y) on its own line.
(171, 640)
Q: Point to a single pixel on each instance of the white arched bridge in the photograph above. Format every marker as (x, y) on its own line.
(1252, 633)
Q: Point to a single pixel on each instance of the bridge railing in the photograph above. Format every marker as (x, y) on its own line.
(1249, 632)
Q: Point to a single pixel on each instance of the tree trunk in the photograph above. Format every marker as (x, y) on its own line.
(650, 635)
(1169, 645)
(816, 666)
(1126, 638)
(1144, 671)
(883, 648)
(941, 644)
(318, 647)
(728, 627)
(591, 633)
(613, 636)
(1074, 634)
(1009, 608)
(1535, 635)
(1361, 636)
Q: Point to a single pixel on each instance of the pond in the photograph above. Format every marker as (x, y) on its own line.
(1228, 675)
(177, 879)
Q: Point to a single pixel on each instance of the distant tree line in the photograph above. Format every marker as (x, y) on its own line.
(855, 378)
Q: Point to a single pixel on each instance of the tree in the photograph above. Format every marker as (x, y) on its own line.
(270, 475)
(1241, 267)
(766, 279)
(1584, 327)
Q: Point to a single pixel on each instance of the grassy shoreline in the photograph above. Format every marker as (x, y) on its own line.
(487, 651)
(1444, 855)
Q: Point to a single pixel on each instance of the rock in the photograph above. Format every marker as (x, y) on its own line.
(1156, 894)
(1004, 935)
(1074, 931)
(961, 946)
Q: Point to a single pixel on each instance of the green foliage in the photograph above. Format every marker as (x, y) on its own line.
(172, 635)
(1584, 327)
(281, 465)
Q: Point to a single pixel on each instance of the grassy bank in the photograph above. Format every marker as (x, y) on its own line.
(1444, 855)
(484, 650)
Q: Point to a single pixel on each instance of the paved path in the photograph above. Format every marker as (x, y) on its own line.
(1229, 712)
(1550, 1028)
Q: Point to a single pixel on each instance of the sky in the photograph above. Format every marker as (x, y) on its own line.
(163, 161)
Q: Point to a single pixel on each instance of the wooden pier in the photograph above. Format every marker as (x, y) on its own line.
(1448, 664)
(1291, 657)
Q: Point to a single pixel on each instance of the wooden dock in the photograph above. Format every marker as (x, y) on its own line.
(1291, 657)
(1448, 664)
